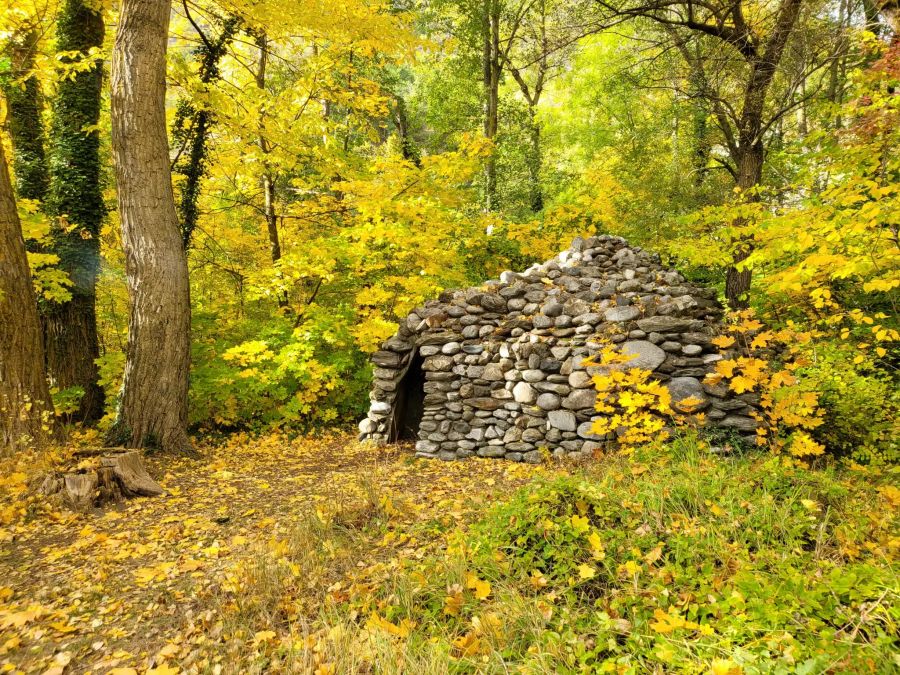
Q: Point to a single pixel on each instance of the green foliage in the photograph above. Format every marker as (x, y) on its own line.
(66, 401)
(861, 406)
(263, 374)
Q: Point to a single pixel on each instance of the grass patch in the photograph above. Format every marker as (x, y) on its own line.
(671, 559)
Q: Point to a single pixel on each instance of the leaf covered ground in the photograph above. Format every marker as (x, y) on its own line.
(322, 555)
(152, 582)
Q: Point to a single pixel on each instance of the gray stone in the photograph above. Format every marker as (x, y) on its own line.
(682, 388)
(580, 380)
(548, 401)
(426, 446)
(492, 451)
(552, 309)
(564, 420)
(524, 393)
(738, 422)
(620, 314)
(532, 435)
(691, 350)
(532, 457)
(585, 431)
(645, 355)
(588, 319)
(386, 359)
(580, 399)
(533, 375)
(380, 407)
(450, 348)
(666, 324)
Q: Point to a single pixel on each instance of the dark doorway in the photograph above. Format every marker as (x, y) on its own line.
(410, 402)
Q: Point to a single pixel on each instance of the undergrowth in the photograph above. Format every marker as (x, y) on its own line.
(671, 559)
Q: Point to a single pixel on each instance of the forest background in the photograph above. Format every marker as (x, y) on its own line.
(336, 164)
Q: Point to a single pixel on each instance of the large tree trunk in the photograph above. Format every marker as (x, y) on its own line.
(76, 202)
(26, 127)
(153, 406)
(26, 412)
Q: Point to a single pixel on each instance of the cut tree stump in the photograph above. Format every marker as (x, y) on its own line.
(112, 475)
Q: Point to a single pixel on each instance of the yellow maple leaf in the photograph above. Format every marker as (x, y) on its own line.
(263, 636)
(726, 368)
(630, 568)
(453, 601)
(400, 630)
(164, 669)
(482, 588)
(580, 523)
(467, 645)
(586, 572)
(741, 384)
(596, 544)
(723, 341)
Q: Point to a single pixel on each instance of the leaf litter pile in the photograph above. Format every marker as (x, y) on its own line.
(186, 582)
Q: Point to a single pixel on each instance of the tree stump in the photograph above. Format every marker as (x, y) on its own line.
(108, 475)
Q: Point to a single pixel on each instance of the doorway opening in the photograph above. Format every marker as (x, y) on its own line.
(409, 404)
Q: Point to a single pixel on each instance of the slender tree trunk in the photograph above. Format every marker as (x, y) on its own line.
(153, 407)
(26, 412)
(750, 152)
(407, 143)
(26, 126)
(491, 83)
(75, 201)
(738, 278)
(535, 161)
(268, 178)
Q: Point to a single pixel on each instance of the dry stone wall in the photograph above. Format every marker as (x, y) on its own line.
(503, 364)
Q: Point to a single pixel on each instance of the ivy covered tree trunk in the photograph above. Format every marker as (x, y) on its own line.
(193, 123)
(153, 407)
(75, 201)
(535, 161)
(491, 68)
(26, 413)
(26, 126)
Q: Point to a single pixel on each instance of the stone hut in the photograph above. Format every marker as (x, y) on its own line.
(496, 371)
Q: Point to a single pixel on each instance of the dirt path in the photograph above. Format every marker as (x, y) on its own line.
(117, 589)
